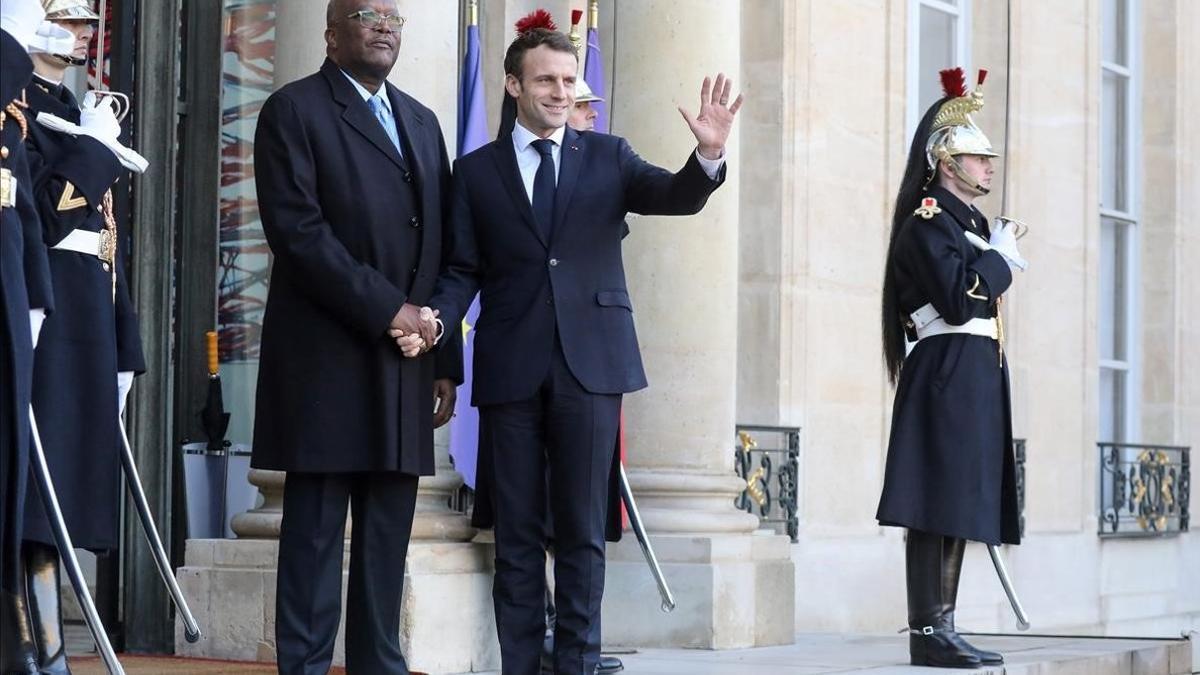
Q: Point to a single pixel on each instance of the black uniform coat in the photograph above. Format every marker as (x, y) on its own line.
(24, 283)
(572, 286)
(356, 231)
(91, 337)
(950, 466)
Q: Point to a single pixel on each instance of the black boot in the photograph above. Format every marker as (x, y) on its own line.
(18, 654)
(45, 607)
(952, 560)
(931, 640)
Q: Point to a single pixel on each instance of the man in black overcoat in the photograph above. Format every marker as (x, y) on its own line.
(352, 177)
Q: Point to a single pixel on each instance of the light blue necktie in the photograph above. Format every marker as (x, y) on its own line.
(385, 118)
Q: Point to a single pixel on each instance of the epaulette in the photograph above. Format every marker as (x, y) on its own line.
(928, 208)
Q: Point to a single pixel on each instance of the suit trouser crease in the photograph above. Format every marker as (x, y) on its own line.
(574, 432)
(311, 549)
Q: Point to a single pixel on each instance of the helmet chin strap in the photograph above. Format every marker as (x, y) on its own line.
(69, 60)
(960, 172)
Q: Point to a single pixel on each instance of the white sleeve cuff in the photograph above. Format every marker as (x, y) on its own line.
(711, 167)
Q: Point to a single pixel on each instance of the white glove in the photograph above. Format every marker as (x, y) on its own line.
(98, 119)
(1004, 242)
(37, 315)
(25, 20)
(124, 384)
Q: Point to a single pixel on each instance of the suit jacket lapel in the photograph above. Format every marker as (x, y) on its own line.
(410, 124)
(358, 114)
(570, 158)
(505, 157)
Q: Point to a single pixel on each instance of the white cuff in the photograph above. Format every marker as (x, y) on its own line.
(711, 167)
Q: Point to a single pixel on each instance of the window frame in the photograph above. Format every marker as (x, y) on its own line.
(962, 46)
(1129, 221)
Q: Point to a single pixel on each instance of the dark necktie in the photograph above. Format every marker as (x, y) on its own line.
(544, 187)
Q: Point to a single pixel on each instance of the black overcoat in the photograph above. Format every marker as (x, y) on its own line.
(950, 466)
(92, 335)
(24, 283)
(356, 231)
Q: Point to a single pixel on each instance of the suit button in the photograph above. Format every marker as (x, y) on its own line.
(414, 222)
(554, 262)
(549, 301)
(407, 176)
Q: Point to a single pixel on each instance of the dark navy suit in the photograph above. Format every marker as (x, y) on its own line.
(554, 351)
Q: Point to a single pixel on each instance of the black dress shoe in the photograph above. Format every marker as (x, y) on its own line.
(609, 664)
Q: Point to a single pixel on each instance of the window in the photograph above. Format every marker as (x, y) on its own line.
(939, 38)
(1118, 224)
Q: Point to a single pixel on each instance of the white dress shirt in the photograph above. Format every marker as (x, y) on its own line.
(528, 159)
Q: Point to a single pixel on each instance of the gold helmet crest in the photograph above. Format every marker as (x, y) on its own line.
(69, 10)
(954, 132)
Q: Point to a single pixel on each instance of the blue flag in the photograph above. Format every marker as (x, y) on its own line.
(593, 74)
(472, 133)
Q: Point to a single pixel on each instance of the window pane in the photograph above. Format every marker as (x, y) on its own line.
(244, 262)
(1112, 405)
(1114, 238)
(1107, 298)
(1113, 25)
(1113, 194)
(938, 50)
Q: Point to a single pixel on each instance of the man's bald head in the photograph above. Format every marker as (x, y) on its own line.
(366, 52)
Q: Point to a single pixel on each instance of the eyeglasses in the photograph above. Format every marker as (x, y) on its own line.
(369, 18)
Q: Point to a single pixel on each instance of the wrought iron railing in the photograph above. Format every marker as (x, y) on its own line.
(1145, 490)
(768, 459)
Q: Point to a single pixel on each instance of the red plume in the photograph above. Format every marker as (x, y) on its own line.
(576, 16)
(982, 77)
(539, 18)
(954, 83)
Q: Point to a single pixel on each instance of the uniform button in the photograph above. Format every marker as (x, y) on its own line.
(414, 222)
(554, 262)
(3, 153)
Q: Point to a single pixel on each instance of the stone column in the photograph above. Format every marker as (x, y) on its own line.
(734, 587)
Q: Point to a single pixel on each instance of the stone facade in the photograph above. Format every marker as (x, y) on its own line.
(764, 310)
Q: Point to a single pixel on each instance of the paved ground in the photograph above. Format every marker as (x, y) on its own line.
(812, 655)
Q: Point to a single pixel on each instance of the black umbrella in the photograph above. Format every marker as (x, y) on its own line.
(214, 419)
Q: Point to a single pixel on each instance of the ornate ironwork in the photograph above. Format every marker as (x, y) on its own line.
(768, 459)
(1019, 454)
(1145, 490)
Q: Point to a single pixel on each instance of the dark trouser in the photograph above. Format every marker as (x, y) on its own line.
(572, 433)
(308, 591)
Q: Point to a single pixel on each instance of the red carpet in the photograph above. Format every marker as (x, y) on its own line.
(172, 665)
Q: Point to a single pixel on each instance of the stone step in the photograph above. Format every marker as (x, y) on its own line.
(815, 654)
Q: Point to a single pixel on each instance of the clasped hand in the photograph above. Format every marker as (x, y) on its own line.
(416, 329)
